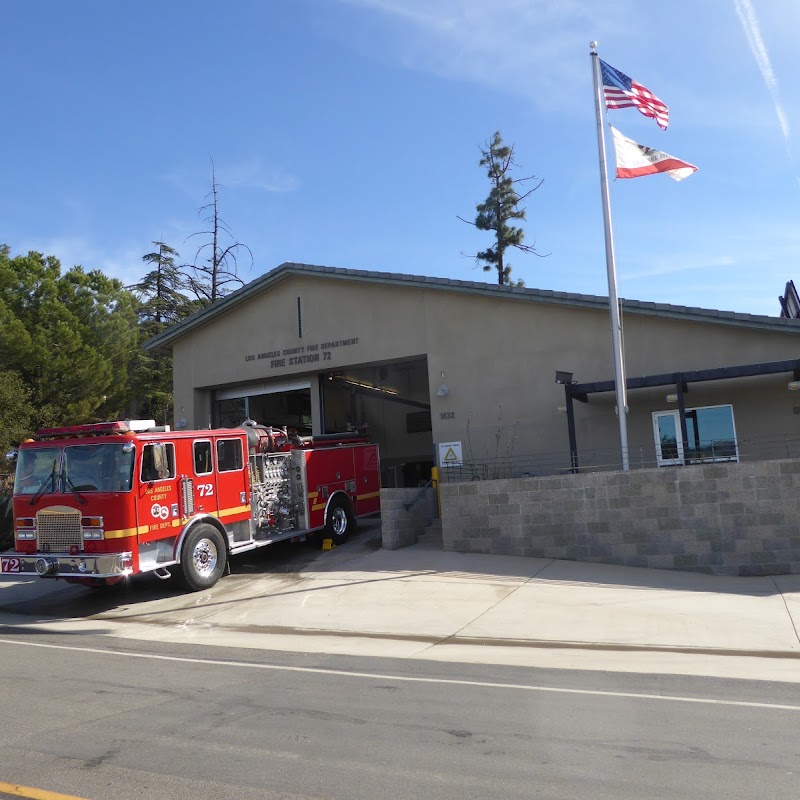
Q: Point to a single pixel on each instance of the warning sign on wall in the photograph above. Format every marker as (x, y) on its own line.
(449, 454)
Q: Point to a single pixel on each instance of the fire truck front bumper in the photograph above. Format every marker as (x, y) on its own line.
(54, 565)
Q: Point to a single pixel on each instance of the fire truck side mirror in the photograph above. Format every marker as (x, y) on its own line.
(11, 455)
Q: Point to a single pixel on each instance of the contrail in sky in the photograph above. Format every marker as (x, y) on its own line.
(747, 16)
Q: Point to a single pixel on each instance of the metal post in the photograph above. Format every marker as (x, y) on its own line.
(682, 416)
(573, 439)
(435, 484)
(613, 300)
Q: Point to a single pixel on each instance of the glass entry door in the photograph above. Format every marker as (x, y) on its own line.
(667, 434)
(710, 432)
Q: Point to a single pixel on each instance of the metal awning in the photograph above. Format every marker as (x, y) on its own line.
(581, 391)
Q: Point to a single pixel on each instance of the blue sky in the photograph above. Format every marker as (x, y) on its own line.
(346, 133)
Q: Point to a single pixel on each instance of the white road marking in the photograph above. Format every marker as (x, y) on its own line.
(409, 679)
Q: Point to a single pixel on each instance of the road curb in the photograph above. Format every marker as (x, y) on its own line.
(542, 644)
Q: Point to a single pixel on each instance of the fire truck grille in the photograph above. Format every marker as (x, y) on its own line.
(57, 531)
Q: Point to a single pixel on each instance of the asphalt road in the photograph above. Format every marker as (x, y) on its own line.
(96, 717)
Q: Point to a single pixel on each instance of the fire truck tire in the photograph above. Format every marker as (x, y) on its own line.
(203, 558)
(340, 522)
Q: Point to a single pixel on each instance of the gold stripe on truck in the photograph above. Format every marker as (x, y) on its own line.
(228, 512)
(123, 532)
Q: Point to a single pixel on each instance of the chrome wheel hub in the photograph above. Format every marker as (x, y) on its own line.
(204, 557)
(339, 520)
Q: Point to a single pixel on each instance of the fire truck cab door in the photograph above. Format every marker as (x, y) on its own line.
(232, 501)
(204, 481)
(158, 507)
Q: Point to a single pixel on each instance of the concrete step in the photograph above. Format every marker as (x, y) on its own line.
(431, 535)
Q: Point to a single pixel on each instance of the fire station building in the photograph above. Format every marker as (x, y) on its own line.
(469, 374)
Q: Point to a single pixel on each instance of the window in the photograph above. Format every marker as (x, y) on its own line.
(229, 455)
(158, 462)
(98, 468)
(418, 421)
(38, 470)
(202, 458)
(230, 413)
(710, 436)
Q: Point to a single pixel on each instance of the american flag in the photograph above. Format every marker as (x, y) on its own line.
(622, 92)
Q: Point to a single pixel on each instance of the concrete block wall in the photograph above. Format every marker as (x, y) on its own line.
(401, 527)
(726, 518)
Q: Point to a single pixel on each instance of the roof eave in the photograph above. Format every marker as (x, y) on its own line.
(165, 339)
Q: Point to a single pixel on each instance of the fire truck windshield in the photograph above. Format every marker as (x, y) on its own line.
(98, 467)
(37, 470)
(78, 468)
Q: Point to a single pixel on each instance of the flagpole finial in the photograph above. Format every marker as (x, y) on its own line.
(593, 45)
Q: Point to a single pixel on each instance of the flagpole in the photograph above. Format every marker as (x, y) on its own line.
(613, 301)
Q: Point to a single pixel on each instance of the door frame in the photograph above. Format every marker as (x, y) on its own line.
(660, 460)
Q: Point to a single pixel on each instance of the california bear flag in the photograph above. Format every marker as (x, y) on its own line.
(634, 160)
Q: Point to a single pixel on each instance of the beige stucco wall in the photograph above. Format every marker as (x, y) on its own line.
(498, 355)
(227, 349)
(500, 359)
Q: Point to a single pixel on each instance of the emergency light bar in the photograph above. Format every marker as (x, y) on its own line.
(141, 424)
(93, 429)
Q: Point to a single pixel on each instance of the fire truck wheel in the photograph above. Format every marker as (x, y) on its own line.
(340, 522)
(203, 558)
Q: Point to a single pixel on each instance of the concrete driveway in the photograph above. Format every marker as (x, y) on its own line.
(420, 602)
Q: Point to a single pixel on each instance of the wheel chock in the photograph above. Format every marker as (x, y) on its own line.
(327, 544)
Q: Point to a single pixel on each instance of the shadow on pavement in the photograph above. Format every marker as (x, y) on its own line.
(303, 569)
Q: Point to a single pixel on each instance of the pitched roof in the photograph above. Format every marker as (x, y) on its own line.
(269, 279)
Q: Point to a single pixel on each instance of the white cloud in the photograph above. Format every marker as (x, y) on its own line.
(531, 47)
(124, 263)
(676, 263)
(248, 174)
(752, 30)
(742, 266)
(252, 174)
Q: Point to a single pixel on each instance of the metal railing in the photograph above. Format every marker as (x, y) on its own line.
(610, 459)
(419, 495)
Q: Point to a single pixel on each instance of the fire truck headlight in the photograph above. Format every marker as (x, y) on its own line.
(92, 527)
(26, 528)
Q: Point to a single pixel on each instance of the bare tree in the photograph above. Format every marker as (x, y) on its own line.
(214, 272)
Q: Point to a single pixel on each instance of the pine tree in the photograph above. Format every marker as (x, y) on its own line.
(161, 304)
(68, 339)
(501, 208)
(161, 290)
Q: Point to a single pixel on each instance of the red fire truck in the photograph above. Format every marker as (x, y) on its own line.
(96, 503)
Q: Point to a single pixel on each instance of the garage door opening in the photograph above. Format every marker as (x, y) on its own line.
(387, 402)
(280, 407)
(391, 404)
